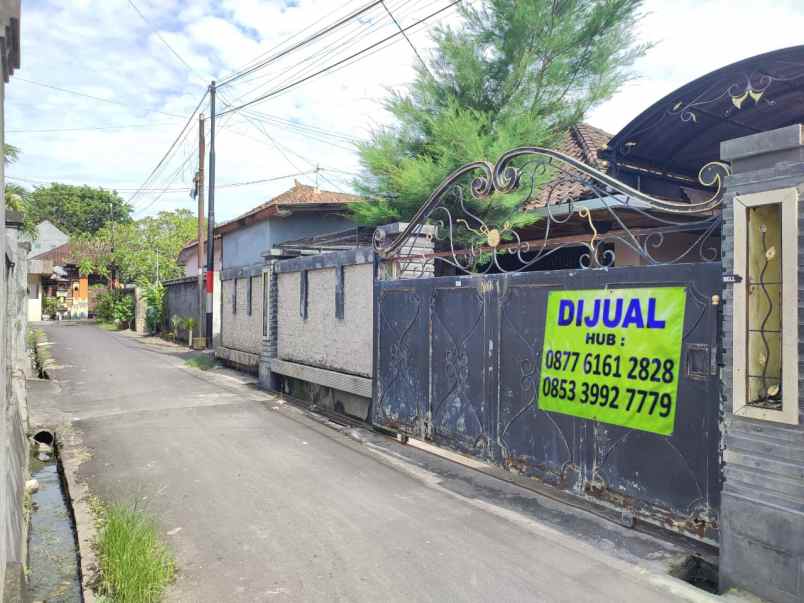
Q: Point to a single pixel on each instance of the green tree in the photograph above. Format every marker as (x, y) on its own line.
(10, 153)
(516, 72)
(135, 249)
(77, 209)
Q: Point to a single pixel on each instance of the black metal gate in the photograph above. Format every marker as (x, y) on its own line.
(458, 362)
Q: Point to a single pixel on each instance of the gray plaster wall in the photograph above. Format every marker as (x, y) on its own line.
(322, 340)
(762, 509)
(181, 299)
(244, 246)
(242, 330)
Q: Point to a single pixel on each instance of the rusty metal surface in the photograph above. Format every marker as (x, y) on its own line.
(458, 360)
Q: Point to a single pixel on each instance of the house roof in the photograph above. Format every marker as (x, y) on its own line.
(682, 132)
(358, 236)
(299, 198)
(582, 142)
(60, 255)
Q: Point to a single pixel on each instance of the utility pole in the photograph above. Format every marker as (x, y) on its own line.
(211, 216)
(200, 239)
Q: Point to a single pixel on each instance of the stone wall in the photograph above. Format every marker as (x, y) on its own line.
(323, 340)
(762, 512)
(242, 321)
(13, 326)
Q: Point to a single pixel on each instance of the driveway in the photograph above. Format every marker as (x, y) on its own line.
(261, 502)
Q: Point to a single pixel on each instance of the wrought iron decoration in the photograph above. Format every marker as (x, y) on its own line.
(490, 240)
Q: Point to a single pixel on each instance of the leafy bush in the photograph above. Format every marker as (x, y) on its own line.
(155, 306)
(50, 305)
(115, 306)
(124, 309)
(104, 306)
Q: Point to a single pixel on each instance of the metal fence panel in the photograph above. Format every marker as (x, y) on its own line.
(459, 361)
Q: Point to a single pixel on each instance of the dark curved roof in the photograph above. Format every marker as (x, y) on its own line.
(683, 131)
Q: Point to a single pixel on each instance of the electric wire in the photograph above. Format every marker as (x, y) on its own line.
(404, 33)
(173, 145)
(337, 63)
(165, 42)
(304, 42)
(97, 98)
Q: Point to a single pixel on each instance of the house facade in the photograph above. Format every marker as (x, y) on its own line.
(240, 246)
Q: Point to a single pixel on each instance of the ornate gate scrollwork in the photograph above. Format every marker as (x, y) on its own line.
(610, 213)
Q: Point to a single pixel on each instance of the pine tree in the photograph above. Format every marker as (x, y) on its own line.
(517, 72)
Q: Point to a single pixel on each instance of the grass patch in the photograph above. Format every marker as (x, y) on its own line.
(203, 363)
(135, 566)
(108, 326)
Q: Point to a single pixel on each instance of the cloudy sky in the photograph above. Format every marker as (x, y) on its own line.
(143, 91)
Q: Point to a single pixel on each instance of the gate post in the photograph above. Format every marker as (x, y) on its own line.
(762, 513)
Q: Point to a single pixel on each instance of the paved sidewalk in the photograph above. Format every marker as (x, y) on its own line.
(261, 502)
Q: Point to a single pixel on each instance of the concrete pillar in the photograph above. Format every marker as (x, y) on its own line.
(762, 510)
(411, 261)
(267, 378)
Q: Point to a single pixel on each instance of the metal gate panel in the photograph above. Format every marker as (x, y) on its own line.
(461, 411)
(458, 362)
(402, 363)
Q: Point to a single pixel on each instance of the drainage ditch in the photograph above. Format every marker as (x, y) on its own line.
(53, 573)
(699, 572)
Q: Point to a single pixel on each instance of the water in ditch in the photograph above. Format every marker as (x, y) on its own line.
(52, 556)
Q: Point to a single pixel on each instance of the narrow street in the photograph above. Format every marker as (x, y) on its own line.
(260, 502)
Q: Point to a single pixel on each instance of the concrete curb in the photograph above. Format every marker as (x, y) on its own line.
(71, 455)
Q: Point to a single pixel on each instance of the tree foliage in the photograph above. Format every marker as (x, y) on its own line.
(517, 72)
(135, 249)
(77, 209)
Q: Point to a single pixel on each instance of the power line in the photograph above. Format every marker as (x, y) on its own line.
(173, 145)
(97, 98)
(257, 59)
(168, 46)
(404, 33)
(329, 52)
(126, 127)
(340, 62)
(304, 42)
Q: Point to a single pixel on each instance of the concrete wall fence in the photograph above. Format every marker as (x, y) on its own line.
(321, 340)
(242, 316)
(181, 299)
(14, 365)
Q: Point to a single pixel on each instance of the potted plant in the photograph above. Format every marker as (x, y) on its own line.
(177, 322)
(189, 324)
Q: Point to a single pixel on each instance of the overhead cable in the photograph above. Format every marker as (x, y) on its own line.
(337, 63)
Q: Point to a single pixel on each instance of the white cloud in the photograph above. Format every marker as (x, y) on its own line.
(103, 48)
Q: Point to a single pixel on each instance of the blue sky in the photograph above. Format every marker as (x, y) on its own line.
(103, 48)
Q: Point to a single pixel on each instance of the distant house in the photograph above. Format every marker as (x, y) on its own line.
(41, 267)
(303, 211)
(188, 257)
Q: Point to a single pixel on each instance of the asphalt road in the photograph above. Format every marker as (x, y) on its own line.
(262, 503)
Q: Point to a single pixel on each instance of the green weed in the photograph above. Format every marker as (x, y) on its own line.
(135, 566)
(203, 363)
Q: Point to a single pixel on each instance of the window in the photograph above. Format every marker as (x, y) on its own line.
(339, 292)
(234, 297)
(303, 294)
(249, 294)
(765, 322)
